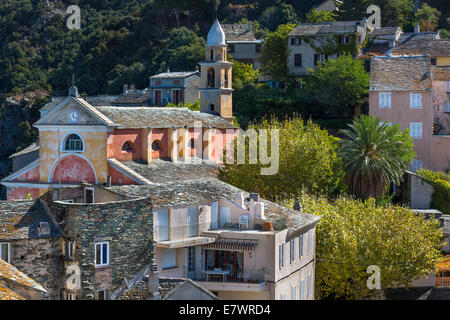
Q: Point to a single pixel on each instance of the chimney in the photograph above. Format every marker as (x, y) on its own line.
(259, 210)
(153, 281)
(240, 199)
(125, 88)
(417, 28)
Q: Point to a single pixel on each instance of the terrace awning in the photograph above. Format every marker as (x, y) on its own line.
(233, 244)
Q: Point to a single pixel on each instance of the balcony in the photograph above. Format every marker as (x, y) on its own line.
(224, 279)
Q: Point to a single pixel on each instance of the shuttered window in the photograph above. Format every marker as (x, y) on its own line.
(297, 60)
(302, 290)
(214, 215)
(192, 221)
(385, 100)
(163, 224)
(300, 245)
(294, 293)
(415, 130)
(292, 250)
(169, 258)
(281, 255)
(415, 100)
(309, 285)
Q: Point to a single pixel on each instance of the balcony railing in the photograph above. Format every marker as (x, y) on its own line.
(235, 276)
(442, 281)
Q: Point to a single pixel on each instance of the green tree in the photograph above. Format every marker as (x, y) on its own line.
(275, 53)
(243, 74)
(355, 234)
(338, 85)
(281, 13)
(315, 16)
(427, 17)
(374, 155)
(308, 160)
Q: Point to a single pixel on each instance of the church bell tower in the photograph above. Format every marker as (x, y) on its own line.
(215, 81)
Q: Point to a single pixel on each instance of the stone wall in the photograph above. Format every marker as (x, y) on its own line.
(43, 261)
(127, 225)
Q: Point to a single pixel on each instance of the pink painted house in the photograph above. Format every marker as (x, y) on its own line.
(406, 90)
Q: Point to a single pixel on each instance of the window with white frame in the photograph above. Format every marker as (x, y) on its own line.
(102, 295)
(416, 164)
(310, 241)
(169, 258)
(281, 255)
(415, 130)
(69, 250)
(385, 100)
(89, 195)
(309, 290)
(302, 290)
(415, 100)
(5, 251)
(73, 143)
(102, 253)
(294, 293)
(292, 250)
(163, 224)
(300, 246)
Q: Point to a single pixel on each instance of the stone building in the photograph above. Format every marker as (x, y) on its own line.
(174, 87)
(32, 241)
(242, 44)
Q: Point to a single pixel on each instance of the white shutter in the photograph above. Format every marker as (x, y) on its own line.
(385, 100)
(415, 129)
(192, 221)
(225, 216)
(163, 224)
(169, 258)
(310, 241)
(415, 100)
(302, 290)
(214, 214)
(447, 106)
(309, 285)
(294, 293)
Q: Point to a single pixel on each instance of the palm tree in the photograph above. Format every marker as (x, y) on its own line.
(374, 154)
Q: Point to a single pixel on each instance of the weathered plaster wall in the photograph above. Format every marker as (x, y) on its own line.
(29, 176)
(117, 139)
(22, 193)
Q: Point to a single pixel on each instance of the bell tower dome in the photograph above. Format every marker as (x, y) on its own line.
(215, 79)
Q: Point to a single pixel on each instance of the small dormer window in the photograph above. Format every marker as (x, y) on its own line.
(73, 143)
(43, 229)
(127, 147)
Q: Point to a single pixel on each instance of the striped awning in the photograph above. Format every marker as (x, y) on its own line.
(232, 244)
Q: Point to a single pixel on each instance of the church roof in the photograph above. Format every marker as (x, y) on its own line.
(216, 36)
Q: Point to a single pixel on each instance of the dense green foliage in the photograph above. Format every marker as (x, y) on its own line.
(243, 74)
(441, 183)
(308, 160)
(337, 86)
(315, 16)
(355, 234)
(374, 155)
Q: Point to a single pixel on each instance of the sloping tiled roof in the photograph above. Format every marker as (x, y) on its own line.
(161, 117)
(161, 171)
(7, 294)
(422, 43)
(383, 31)
(322, 28)
(441, 73)
(100, 100)
(202, 191)
(133, 97)
(20, 219)
(400, 73)
(238, 32)
(172, 75)
(31, 148)
(10, 273)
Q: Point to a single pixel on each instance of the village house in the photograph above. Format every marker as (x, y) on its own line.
(174, 87)
(242, 44)
(310, 44)
(409, 91)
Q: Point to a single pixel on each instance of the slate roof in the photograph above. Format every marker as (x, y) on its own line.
(161, 171)
(7, 294)
(238, 32)
(100, 100)
(19, 220)
(31, 148)
(133, 97)
(400, 73)
(383, 31)
(441, 73)
(10, 273)
(172, 75)
(201, 191)
(322, 28)
(161, 117)
(422, 43)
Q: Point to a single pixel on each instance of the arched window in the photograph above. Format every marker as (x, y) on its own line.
(210, 78)
(73, 143)
(156, 145)
(226, 79)
(192, 143)
(212, 55)
(127, 147)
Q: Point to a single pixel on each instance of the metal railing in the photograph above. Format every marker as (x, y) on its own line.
(443, 281)
(234, 276)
